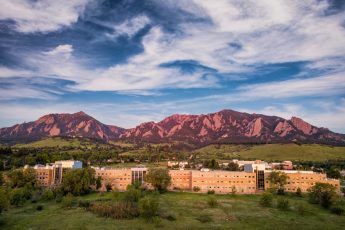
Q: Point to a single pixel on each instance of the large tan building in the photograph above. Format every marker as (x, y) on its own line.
(120, 178)
(303, 180)
(220, 181)
(48, 175)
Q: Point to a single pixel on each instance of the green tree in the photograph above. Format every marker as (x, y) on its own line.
(19, 178)
(213, 164)
(323, 194)
(159, 178)
(233, 167)
(148, 207)
(333, 173)
(278, 180)
(79, 181)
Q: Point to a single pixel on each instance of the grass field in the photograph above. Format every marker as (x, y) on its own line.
(305, 152)
(233, 212)
(60, 142)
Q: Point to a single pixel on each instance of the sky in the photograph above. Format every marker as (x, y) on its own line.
(130, 61)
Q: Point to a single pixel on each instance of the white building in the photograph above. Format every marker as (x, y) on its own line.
(70, 164)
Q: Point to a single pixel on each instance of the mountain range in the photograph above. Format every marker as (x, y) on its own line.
(226, 126)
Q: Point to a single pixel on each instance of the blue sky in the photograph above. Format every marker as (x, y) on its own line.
(131, 61)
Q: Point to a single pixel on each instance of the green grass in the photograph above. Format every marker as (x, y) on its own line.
(305, 152)
(233, 212)
(53, 142)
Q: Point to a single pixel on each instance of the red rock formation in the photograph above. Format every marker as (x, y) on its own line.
(226, 126)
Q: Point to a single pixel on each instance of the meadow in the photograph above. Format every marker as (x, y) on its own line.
(186, 211)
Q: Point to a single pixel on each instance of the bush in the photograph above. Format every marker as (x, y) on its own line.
(132, 195)
(266, 200)
(148, 208)
(204, 218)
(283, 204)
(171, 218)
(84, 203)
(17, 197)
(323, 194)
(68, 201)
(337, 210)
(301, 209)
(39, 207)
(116, 210)
(196, 189)
(47, 195)
(212, 202)
(58, 198)
(4, 204)
(281, 192)
(211, 192)
(168, 216)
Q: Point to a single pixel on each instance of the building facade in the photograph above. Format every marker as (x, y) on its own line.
(49, 175)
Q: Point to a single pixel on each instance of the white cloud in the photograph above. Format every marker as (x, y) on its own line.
(329, 85)
(130, 27)
(41, 16)
(265, 31)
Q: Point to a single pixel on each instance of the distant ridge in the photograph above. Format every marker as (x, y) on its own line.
(226, 126)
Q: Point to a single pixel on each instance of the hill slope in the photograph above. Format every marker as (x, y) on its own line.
(269, 152)
(69, 125)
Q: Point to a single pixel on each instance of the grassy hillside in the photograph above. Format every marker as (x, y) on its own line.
(306, 152)
(232, 212)
(60, 142)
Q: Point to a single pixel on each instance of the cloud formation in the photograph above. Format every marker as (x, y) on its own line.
(41, 16)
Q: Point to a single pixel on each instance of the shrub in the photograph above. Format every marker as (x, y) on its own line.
(204, 218)
(58, 198)
(68, 201)
(84, 203)
(132, 195)
(281, 192)
(337, 210)
(211, 192)
(17, 197)
(323, 194)
(39, 207)
(283, 204)
(148, 208)
(301, 209)
(4, 204)
(196, 189)
(168, 216)
(35, 196)
(299, 192)
(266, 200)
(212, 202)
(116, 210)
(47, 195)
(171, 218)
